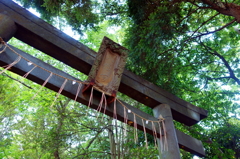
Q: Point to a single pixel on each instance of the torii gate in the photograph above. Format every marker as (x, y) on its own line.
(30, 29)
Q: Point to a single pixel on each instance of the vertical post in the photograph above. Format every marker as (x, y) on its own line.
(173, 148)
(7, 27)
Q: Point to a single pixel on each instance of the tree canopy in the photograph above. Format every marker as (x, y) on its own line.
(189, 48)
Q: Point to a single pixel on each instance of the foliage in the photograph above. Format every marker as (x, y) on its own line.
(226, 140)
(94, 38)
(79, 14)
(189, 48)
(192, 55)
(7, 112)
(65, 130)
(74, 11)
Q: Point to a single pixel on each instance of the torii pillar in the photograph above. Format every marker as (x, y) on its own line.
(172, 151)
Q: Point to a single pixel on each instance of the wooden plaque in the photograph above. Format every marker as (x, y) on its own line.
(106, 72)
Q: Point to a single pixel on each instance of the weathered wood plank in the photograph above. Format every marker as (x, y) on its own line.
(8, 27)
(39, 34)
(173, 149)
(194, 143)
(39, 76)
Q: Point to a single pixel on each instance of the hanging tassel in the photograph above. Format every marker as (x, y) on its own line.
(145, 134)
(160, 132)
(25, 76)
(100, 105)
(78, 90)
(115, 109)
(165, 135)
(125, 120)
(135, 133)
(165, 144)
(45, 82)
(125, 130)
(105, 105)
(154, 133)
(90, 99)
(59, 92)
(125, 115)
(3, 48)
(116, 134)
(10, 65)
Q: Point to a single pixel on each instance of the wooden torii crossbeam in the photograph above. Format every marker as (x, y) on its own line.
(39, 34)
(185, 142)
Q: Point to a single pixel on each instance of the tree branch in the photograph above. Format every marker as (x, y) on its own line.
(90, 143)
(229, 9)
(230, 70)
(4, 74)
(211, 32)
(204, 23)
(216, 7)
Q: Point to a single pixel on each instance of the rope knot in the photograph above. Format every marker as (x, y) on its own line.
(160, 118)
(1, 41)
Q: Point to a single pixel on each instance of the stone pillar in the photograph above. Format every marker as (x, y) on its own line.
(7, 27)
(173, 148)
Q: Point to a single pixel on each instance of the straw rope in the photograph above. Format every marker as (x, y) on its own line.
(103, 100)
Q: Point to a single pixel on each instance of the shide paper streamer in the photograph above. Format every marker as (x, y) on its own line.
(104, 77)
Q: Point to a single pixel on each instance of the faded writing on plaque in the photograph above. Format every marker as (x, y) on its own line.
(105, 72)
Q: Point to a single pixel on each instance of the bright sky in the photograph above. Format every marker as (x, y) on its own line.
(67, 30)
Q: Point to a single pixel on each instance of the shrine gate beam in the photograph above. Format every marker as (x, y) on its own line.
(44, 37)
(39, 75)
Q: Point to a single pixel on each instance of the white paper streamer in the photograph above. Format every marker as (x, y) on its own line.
(73, 82)
(29, 63)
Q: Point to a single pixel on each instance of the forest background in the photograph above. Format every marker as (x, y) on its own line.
(189, 48)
